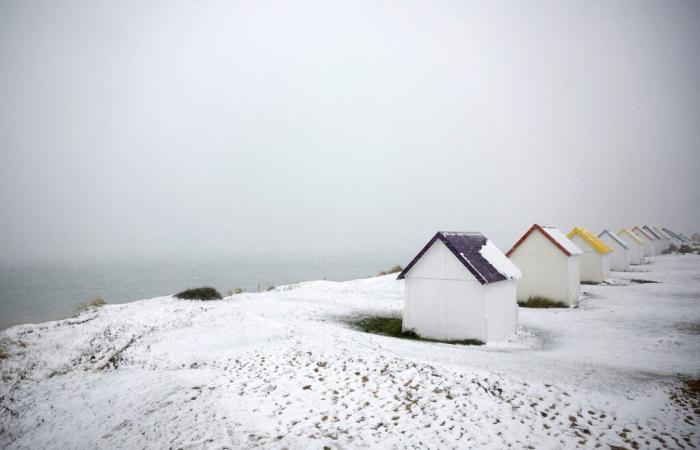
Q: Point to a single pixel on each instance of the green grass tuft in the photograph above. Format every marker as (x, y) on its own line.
(392, 326)
(201, 293)
(542, 302)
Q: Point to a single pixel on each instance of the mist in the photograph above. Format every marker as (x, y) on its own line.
(218, 129)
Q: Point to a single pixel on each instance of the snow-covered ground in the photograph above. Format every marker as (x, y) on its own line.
(279, 369)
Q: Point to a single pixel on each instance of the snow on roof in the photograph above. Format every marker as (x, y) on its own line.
(629, 233)
(590, 238)
(562, 239)
(651, 231)
(673, 234)
(662, 233)
(500, 261)
(554, 235)
(614, 237)
(644, 234)
(469, 248)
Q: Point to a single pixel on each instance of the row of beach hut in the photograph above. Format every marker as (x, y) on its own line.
(461, 286)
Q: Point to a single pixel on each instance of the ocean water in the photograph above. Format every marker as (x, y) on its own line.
(39, 292)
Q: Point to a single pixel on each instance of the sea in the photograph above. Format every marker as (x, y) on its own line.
(35, 292)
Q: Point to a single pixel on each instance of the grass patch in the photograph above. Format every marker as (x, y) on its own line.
(392, 326)
(201, 293)
(395, 269)
(95, 303)
(590, 283)
(542, 302)
(3, 354)
(235, 291)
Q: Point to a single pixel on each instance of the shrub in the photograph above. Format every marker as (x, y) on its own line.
(392, 326)
(671, 249)
(95, 303)
(395, 269)
(235, 291)
(542, 302)
(201, 293)
(685, 249)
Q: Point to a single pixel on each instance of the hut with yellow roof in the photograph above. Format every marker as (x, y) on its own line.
(634, 244)
(595, 260)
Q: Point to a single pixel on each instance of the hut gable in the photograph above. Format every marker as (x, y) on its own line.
(476, 253)
(630, 234)
(614, 237)
(552, 234)
(643, 233)
(651, 232)
(590, 239)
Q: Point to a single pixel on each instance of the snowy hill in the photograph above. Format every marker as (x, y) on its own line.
(280, 369)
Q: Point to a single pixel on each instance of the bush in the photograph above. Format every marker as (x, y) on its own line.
(395, 269)
(392, 326)
(202, 293)
(542, 302)
(686, 249)
(95, 303)
(671, 249)
(235, 291)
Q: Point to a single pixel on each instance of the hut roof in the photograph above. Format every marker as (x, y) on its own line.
(476, 253)
(629, 233)
(554, 235)
(614, 237)
(591, 238)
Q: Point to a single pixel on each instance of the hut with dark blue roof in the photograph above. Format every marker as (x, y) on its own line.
(460, 286)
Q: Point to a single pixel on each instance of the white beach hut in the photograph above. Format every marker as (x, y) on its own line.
(460, 286)
(665, 238)
(635, 245)
(619, 258)
(659, 242)
(649, 247)
(549, 262)
(675, 237)
(595, 261)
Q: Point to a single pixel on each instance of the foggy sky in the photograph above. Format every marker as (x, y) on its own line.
(296, 127)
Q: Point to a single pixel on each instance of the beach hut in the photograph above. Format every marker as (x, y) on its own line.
(659, 243)
(460, 286)
(549, 262)
(635, 245)
(665, 238)
(675, 237)
(595, 261)
(670, 236)
(619, 258)
(649, 248)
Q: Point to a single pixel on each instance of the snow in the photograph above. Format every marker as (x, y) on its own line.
(280, 369)
(500, 261)
(562, 240)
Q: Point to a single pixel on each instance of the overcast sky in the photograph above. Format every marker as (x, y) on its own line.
(291, 127)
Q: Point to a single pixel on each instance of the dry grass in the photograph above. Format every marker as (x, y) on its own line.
(395, 269)
(95, 303)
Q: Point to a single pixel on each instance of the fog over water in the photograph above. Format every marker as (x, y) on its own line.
(312, 128)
